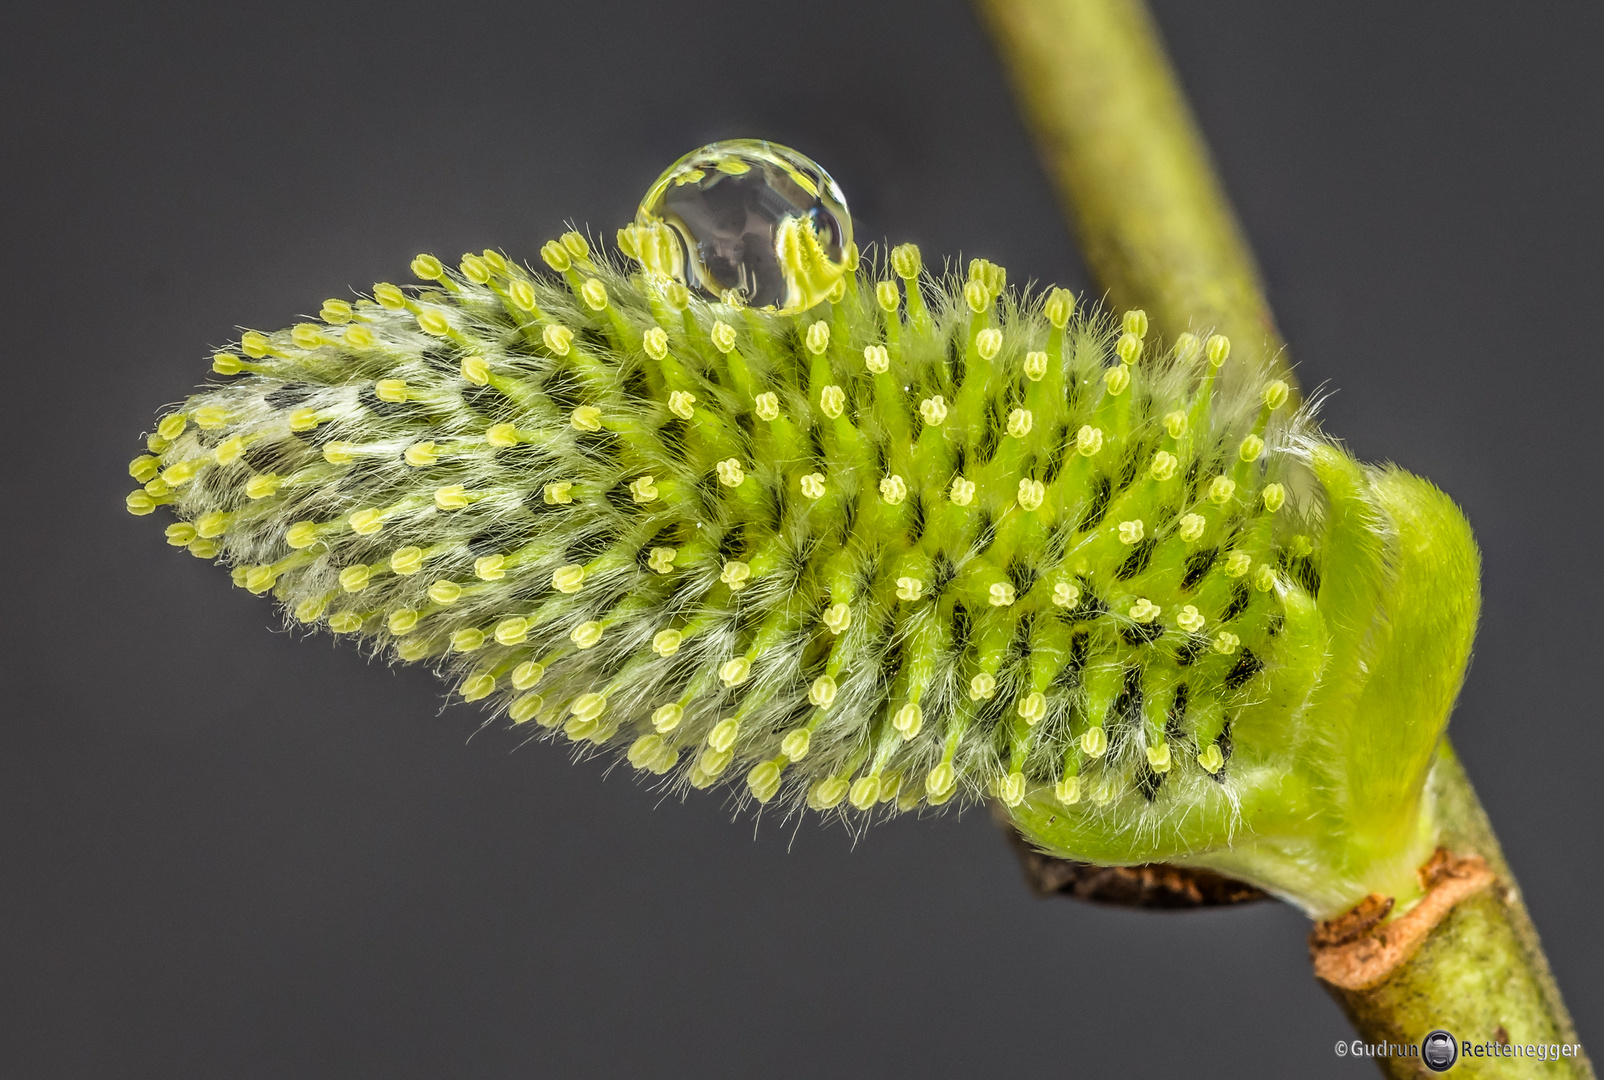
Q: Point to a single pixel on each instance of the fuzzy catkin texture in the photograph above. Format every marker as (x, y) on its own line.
(933, 539)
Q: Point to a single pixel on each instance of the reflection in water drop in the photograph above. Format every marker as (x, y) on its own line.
(748, 221)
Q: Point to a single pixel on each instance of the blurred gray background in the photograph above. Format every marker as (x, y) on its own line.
(227, 852)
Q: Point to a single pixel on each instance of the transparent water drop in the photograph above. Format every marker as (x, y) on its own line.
(747, 221)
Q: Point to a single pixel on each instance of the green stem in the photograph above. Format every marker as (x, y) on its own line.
(1119, 141)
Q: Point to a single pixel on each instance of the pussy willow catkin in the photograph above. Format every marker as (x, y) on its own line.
(932, 539)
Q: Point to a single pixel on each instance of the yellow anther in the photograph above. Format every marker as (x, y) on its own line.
(734, 673)
(909, 588)
(365, 522)
(837, 617)
(474, 269)
(304, 419)
(513, 630)
(576, 244)
(1020, 422)
(355, 578)
(666, 718)
(1187, 349)
(391, 390)
(213, 523)
(307, 335)
(676, 295)
(421, 454)
(158, 488)
(427, 267)
(735, 574)
(445, 593)
(180, 534)
(1059, 307)
(1031, 494)
(977, 296)
(1238, 563)
(555, 256)
(1275, 496)
(144, 468)
(182, 473)
(522, 295)
(893, 490)
(479, 685)
(1001, 594)
(259, 579)
(1275, 395)
(832, 401)
(661, 560)
(817, 338)
(490, 567)
(527, 674)
(586, 634)
(983, 687)
(1129, 349)
(1116, 379)
(558, 339)
(887, 295)
(172, 426)
(764, 781)
(1190, 619)
(865, 792)
(414, 648)
(1066, 594)
(1164, 465)
(451, 497)
(821, 695)
(203, 549)
(433, 321)
(1012, 789)
(643, 752)
(407, 560)
(988, 343)
(1264, 578)
(467, 639)
(359, 337)
(1191, 527)
(311, 609)
(723, 335)
(558, 493)
(730, 473)
(680, 403)
(667, 642)
(495, 260)
(588, 706)
(934, 410)
(1211, 759)
(568, 579)
(262, 485)
(1094, 742)
(876, 358)
(796, 744)
(1088, 440)
(1158, 757)
(905, 261)
(989, 274)
(303, 534)
(254, 344)
(963, 491)
(339, 453)
(812, 485)
(586, 418)
(1218, 349)
(1226, 642)
(226, 363)
(1067, 790)
(1222, 489)
(940, 782)
(1035, 366)
(525, 708)
(655, 342)
(908, 720)
(346, 622)
(767, 406)
(1131, 532)
(502, 435)
(1251, 448)
(229, 450)
(643, 489)
(1134, 322)
(403, 622)
(1032, 708)
(1175, 424)
(1144, 610)
(211, 416)
(594, 294)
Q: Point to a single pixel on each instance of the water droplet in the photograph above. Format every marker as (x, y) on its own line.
(749, 221)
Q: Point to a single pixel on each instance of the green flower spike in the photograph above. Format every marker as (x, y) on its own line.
(929, 541)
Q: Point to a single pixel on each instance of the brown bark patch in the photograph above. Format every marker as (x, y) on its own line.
(1154, 885)
(1358, 950)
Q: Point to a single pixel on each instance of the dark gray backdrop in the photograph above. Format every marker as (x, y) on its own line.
(228, 852)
